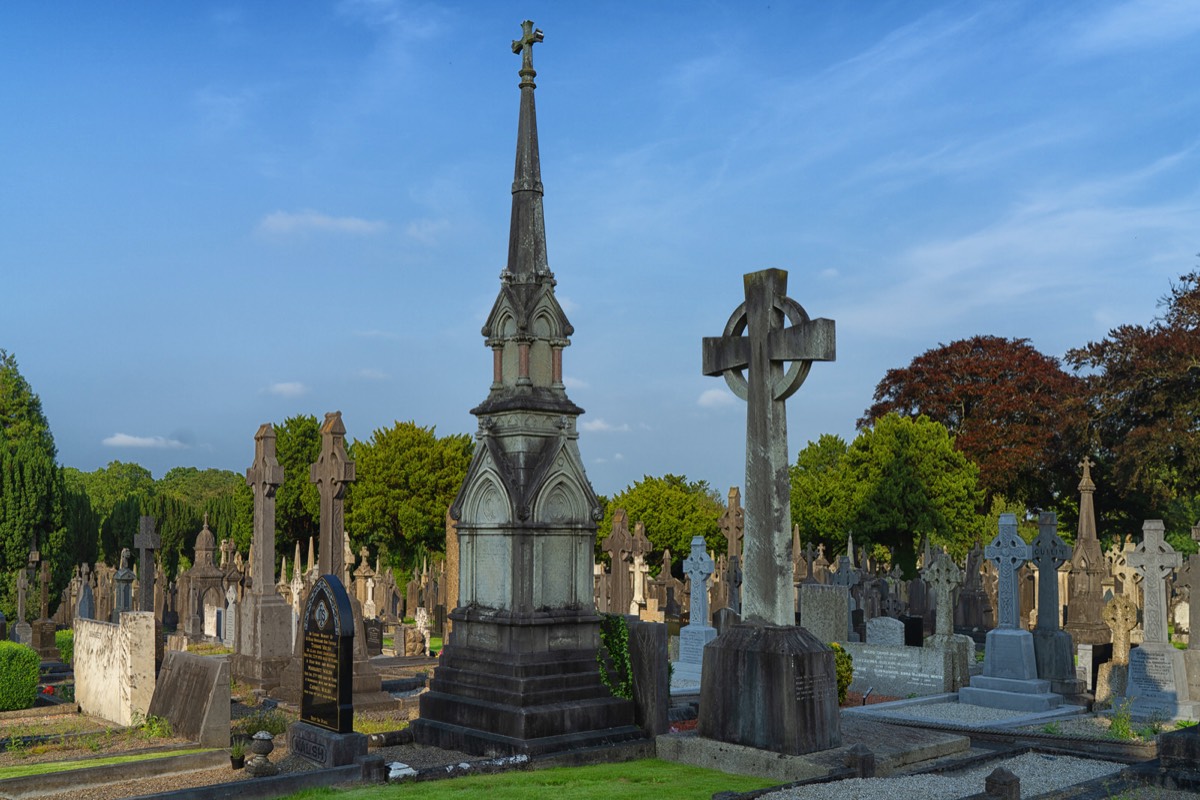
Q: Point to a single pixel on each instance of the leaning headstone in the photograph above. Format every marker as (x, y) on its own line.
(325, 733)
(697, 633)
(766, 682)
(1009, 680)
(192, 693)
(1052, 647)
(1158, 677)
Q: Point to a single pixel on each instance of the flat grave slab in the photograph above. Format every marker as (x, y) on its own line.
(944, 709)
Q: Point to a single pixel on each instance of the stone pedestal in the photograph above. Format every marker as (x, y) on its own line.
(770, 687)
(265, 646)
(1009, 678)
(960, 655)
(324, 747)
(1055, 658)
(687, 671)
(521, 684)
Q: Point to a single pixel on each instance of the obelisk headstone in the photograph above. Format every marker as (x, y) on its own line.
(1085, 590)
(767, 655)
(1009, 678)
(1052, 647)
(1158, 677)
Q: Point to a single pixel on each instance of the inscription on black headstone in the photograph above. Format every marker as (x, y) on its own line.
(326, 698)
(374, 633)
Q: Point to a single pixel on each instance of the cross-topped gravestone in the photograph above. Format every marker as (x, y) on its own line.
(1154, 559)
(1009, 552)
(764, 349)
(619, 544)
(732, 523)
(1120, 615)
(1189, 577)
(264, 477)
(698, 567)
(332, 472)
(1049, 552)
(146, 541)
(943, 576)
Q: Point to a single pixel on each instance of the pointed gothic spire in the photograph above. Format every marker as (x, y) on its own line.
(1087, 511)
(527, 233)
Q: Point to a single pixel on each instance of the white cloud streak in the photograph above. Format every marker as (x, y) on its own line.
(285, 223)
(143, 442)
(287, 389)
(716, 398)
(602, 426)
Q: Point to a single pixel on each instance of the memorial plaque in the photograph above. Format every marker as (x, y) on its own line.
(328, 675)
(374, 634)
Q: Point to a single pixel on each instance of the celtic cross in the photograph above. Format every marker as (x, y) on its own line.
(264, 477)
(146, 542)
(1154, 559)
(1009, 552)
(698, 566)
(1049, 552)
(756, 340)
(332, 471)
(943, 576)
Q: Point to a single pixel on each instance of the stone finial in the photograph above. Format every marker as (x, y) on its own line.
(529, 37)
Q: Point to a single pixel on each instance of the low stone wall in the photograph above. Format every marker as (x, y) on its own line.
(114, 666)
(900, 671)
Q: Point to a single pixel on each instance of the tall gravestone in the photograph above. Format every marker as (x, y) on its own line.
(732, 525)
(265, 629)
(768, 683)
(526, 632)
(325, 733)
(1009, 680)
(1052, 646)
(698, 567)
(123, 591)
(1085, 589)
(1120, 616)
(619, 546)
(944, 577)
(1158, 676)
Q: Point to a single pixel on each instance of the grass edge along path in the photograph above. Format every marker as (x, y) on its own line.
(46, 767)
(629, 780)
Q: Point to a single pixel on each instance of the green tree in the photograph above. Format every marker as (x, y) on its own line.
(820, 493)
(673, 509)
(21, 416)
(407, 476)
(119, 480)
(297, 504)
(908, 481)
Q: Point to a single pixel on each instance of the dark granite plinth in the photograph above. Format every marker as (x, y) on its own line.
(324, 747)
(769, 687)
(511, 684)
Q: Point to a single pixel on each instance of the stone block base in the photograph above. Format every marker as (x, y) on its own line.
(769, 687)
(324, 747)
(1010, 700)
(537, 691)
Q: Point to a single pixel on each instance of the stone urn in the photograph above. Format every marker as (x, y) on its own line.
(261, 745)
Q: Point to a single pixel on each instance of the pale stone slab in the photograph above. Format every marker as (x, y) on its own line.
(885, 631)
(114, 666)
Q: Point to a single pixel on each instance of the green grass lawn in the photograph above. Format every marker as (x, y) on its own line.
(651, 779)
(25, 770)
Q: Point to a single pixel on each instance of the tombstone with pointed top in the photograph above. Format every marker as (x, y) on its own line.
(85, 607)
(1009, 680)
(1052, 647)
(123, 591)
(1158, 676)
(1085, 585)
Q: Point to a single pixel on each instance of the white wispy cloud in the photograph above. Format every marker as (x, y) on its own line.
(1138, 24)
(601, 425)
(372, 374)
(287, 389)
(716, 398)
(427, 231)
(144, 442)
(574, 383)
(282, 223)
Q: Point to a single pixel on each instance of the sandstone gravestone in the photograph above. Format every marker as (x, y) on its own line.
(1120, 615)
(325, 732)
(1009, 678)
(123, 597)
(147, 541)
(1085, 586)
(1158, 678)
(767, 683)
(944, 577)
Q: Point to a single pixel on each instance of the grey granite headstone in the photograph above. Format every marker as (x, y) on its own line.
(825, 611)
(885, 631)
(696, 634)
(123, 580)
(192, 692)
(86, 607)
(1053, 649)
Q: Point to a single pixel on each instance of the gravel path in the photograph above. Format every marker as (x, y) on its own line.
(1039, 773)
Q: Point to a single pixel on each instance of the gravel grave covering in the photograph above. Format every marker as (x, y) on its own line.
(952, 713)
(1039, 773)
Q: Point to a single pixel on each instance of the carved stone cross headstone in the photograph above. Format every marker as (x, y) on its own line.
(1049, 552)
(943, 576)
(1154, 559)
(146, 541)
(764, 349)
(1189, 577)
(264, 477)
(1009, 552)
(332, 472)
(732, 523)
(698, 567)
(45, 591)
(619, 545)
(1120, 615)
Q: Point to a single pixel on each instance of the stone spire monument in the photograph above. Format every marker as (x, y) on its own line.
(1085, 594)
(519, 674)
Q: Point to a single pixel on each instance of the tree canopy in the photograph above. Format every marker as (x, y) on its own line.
(407, 476)
(297, 504)
(673, 509)
(1011, 409)
(820, 493)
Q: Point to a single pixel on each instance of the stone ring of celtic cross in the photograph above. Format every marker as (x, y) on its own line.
(797, 371)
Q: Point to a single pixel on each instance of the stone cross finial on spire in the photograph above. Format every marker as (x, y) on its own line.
(529, 37)
(758, 339)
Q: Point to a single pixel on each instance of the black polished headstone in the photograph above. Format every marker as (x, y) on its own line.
(327, 682)
(914, 630)
(374, 634)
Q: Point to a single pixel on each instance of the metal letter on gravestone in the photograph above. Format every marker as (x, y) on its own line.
(146, 541)
(1049, 552)
(767, 344)
(327, 680)
(1009, 552)
(698, 567)
(943, 576)
(1154, 559)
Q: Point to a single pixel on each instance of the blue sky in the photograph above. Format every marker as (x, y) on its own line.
(214, 215)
